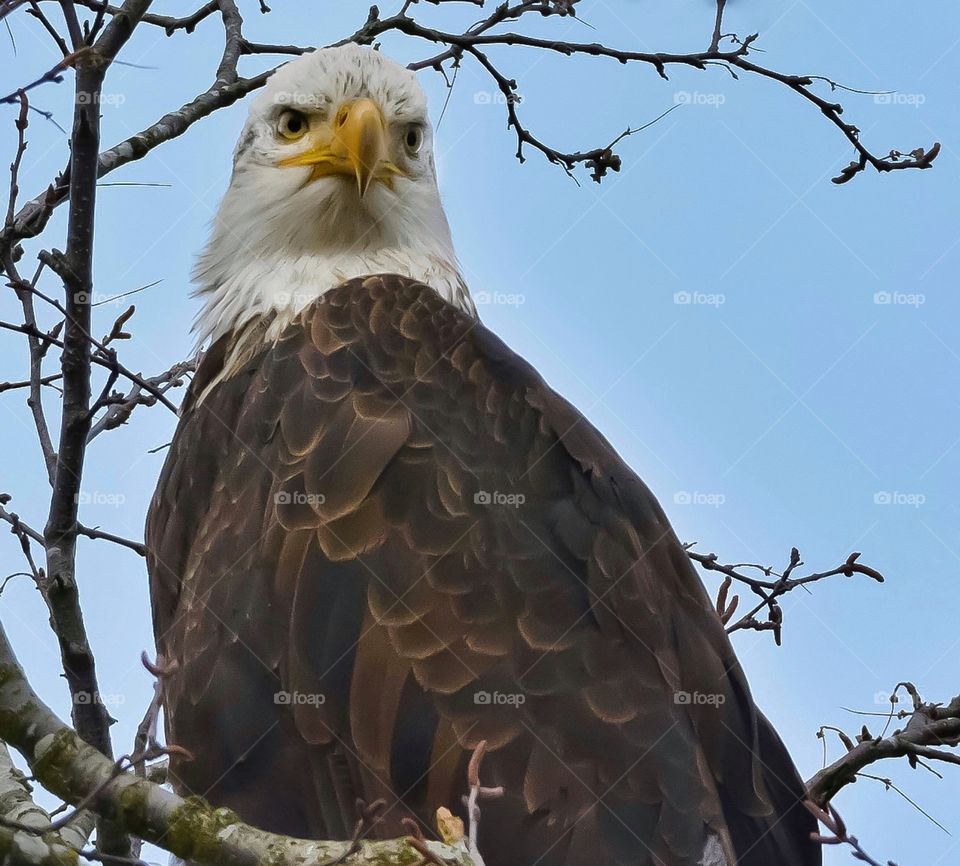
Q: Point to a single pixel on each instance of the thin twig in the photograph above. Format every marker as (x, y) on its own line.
(770, 591)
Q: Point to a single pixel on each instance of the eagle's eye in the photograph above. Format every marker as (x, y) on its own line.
(413, 138)
(291, 125)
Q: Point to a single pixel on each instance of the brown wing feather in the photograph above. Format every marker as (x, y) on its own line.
(388, 519)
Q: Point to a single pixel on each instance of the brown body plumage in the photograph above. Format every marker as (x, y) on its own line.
(387, 517)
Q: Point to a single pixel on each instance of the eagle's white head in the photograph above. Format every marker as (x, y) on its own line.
(333, 178)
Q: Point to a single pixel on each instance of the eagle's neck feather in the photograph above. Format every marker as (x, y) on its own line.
(277, 246)
(278, 288)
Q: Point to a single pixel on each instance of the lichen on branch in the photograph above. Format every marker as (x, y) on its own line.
(189, 828)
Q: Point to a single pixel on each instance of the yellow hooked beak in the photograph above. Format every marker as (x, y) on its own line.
(355, 145)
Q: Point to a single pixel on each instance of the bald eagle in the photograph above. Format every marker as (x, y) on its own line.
(379, 539)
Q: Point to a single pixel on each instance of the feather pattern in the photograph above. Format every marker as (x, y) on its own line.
(381, 539)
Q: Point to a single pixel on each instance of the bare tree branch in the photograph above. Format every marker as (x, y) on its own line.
(930, 728)
(831, 819)
(75, 267)
(769, 591)
(169, 24)
(229, 87)
(718, 26)
(36, 350)
(18, 810)
(155, 387)
(191, 830)
(104, 359)
(735, 59)
(25, 532)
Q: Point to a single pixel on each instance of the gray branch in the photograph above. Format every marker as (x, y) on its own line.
(930, 728)
(192, 830)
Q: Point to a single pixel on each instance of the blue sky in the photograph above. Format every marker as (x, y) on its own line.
(805, 396)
